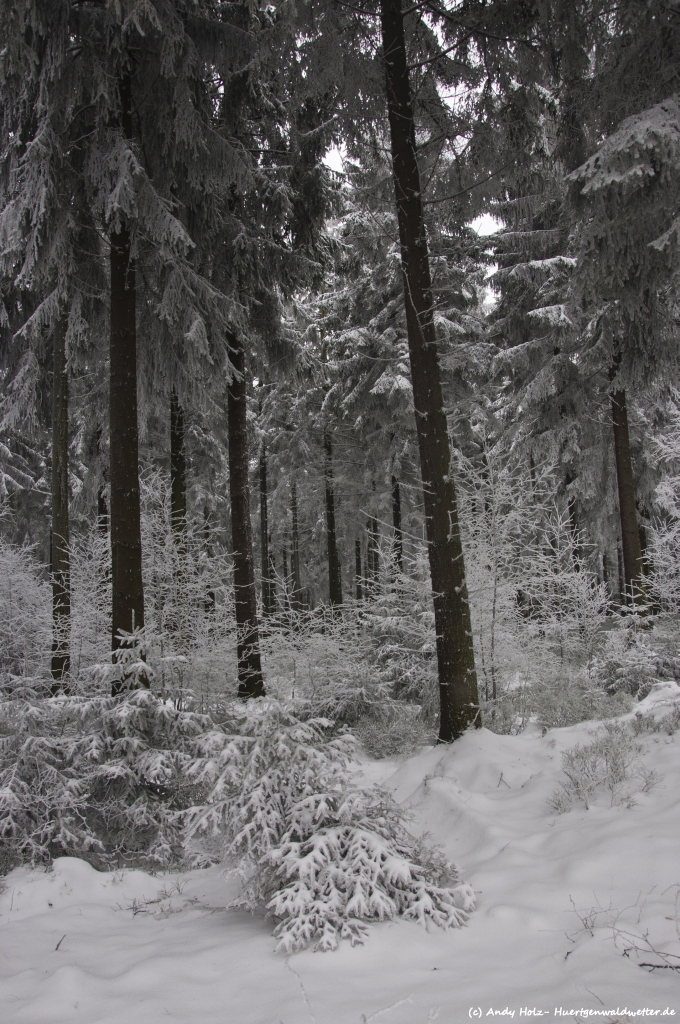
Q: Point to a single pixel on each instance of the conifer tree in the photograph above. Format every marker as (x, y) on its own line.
(455, 655)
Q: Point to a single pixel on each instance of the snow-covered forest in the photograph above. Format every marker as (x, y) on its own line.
(339, 510)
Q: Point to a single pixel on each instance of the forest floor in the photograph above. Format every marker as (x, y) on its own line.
(569, 906)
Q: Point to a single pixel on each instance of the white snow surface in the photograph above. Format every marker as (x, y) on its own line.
(485, 799)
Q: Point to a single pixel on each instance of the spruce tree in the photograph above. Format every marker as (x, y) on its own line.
(459, 701)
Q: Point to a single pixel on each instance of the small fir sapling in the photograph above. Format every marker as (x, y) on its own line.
(322, 855)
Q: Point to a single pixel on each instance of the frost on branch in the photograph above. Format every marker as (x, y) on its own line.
(323, 856)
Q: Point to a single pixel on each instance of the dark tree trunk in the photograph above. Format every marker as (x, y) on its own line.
(286, 578)
(396, 523)
(458, 697)
(209, 600)
(126, 544)
(102, 511)
(267, 581)
(250, 683)
(295, 552)
(272, 578)
(630, 535)
(372, 557)
(622, 582)
(357, 562)
(334, 575)
(178, 473)
(61, 591)
(573, 522)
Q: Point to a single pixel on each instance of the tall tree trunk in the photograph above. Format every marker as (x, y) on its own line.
(264, 538)
(250, 682)
(61, 591)
(126, 543)
(630, 535)
(178, 473)
(458, 697)
(334, 575)
(295, 551)
(357, 571)
(396, 523)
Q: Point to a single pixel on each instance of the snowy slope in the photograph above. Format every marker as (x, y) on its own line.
(485, 798)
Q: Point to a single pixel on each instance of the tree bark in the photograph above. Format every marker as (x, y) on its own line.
(61, 591)
(295, 552)
(334, 575)
(357, 570)
(630, 535)
(178, 473)
(264, 538)
(286, 578)
(250, 682)
(126, 543)
(372, 557)
(209, 599)
(458, 696)
(396, 523)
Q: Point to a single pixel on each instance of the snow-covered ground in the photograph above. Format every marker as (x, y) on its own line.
(560, 898)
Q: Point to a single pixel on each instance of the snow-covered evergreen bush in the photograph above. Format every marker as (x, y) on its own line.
(394, 729)
(327, 658)
(664, 547)
(96, 777)
(25, 613)
(322, 855)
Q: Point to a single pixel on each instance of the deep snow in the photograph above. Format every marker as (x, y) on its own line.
(78, 945)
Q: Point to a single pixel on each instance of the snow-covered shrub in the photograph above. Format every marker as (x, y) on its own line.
(90, 568)
(398, 617)
(664, 539)
(326, 658)
(393, 729)
(612, 761)
(538, 611)
(577, 699)
(25, 613)
(553, 704)
(322, 855)
(96, 777)
(626, 664)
